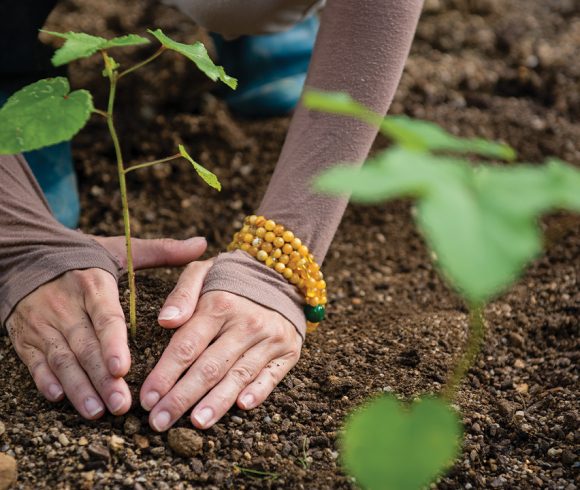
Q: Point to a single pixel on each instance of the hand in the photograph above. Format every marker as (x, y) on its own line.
(231, 349)
(71, 332)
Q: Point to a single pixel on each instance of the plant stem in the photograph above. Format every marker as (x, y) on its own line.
(101, 113)
(157, 53)
(154, 162)
(126, 218)
(475, 338)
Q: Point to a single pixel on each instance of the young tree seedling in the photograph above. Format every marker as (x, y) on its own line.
(47, 112)
(481, 223)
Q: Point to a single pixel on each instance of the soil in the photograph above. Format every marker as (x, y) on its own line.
(500, 69)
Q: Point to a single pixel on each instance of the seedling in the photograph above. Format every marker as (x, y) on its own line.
(481, 222)
(47, 112)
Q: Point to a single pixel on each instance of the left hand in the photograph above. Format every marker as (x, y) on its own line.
(231, 349)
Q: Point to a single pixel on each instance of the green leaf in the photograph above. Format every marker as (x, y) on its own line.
(388, 447)
(42, 114)
(481, 221)
(409, 133)
(208, 177)
(80, 45)
(198, 54)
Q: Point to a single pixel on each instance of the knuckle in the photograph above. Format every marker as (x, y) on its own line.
(242, 375)
(253, 326)
(185, 352)
(62, 360)
(89, 350)
(108, 320)
(182, 295)
(88, 280)
(210, 372)
(221, 304)
(179, 403)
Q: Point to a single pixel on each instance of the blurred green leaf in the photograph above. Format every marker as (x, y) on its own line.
(80, 45)
(481, 221)
(198, 54)
(42, 114)
(208, 177)
(409, 133)
(388, 447)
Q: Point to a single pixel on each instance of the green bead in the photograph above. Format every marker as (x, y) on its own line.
(314, 314)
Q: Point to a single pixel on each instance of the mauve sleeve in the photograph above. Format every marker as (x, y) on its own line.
(34, 247)
(361, 49)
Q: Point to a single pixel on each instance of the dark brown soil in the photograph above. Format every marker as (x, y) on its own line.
(499, 69)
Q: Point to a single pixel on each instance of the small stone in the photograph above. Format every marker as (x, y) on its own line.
(132, 425)
(8, 471)
(554, 452)
(237, 420)
(519, 415)
(498, 482)
(98, 452)
(276, 418)
(63, 439)
(116, 443)
(141, 441)
(519, 364)
(522, 388)
(185, 442)
(2, 428)
(83, 441)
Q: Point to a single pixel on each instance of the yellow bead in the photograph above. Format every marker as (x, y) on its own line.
(310, 283)
(284, 259)
(252, 219)
(288, 273)
(311, 293)
(260, 220)
(260, 232)
(269, 236)
(287, 249)
(245, 229)
(288, 236)
(278, 242)
(253, 251)
(276, 253)
(248, 237)
(245, 247)
(256, 242)
(323, 300)
(267, 247)
(262, 256)
(279, 230)
(270, 225)
(295, 279)
(296, 243)
(279, 267)
(303, 250)
(269, 262)
(311, 327)
(314, 301)
(321, 284)
(317, 275)
(313, 268)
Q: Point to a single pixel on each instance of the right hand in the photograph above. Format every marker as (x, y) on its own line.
(71, 332)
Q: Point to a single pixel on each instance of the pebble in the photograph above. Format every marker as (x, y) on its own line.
(116, 443)
(237, 420)
(63, 439)
(185, 442)
(141, 441)
(83, 441)
(276, 418)
(98, 452)
(498, 482)
(132, 425)
(8, 471)
(2, 428)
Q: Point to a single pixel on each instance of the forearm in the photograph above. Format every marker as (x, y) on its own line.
(34, 247)
(361, 49)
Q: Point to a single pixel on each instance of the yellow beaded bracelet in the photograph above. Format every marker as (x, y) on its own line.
(280, 250)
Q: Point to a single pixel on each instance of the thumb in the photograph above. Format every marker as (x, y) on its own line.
(159, 252)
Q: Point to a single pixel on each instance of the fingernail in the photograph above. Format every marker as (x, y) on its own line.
(161, 421)
(93, 406)
(203, 416)
(248, 400)
(55, 391)
(114, 365)
(116, 401)
(150, 400)
(169, 313)
(196, 239)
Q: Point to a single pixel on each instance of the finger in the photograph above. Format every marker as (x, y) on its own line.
(101, 298)
(86, 347)
(219, 400)
(73, 379)
(45, 380)
(160, 252)
(259, 389)
(206, 372)
(181, 302)
(184, 348)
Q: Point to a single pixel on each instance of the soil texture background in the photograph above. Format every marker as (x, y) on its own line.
(507, 70)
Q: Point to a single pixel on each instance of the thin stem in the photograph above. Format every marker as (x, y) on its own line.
(155, 55)
(126, 218)
(100, 112)
(154, 162)
(475, 338)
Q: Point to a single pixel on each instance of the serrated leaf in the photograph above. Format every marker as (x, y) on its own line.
(481, 221)
(80, 45)
(198, 54)
(409, 133)
(387, 446)
(42, 114)
(208, 177)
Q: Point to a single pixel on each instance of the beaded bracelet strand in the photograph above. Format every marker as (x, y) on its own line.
(280, 250)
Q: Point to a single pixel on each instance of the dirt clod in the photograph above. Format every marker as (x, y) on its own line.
(185, 442)
(8, 471)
